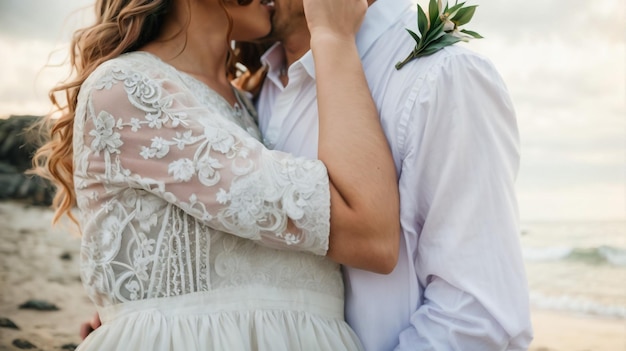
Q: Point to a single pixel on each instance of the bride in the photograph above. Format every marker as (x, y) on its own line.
(195, 236)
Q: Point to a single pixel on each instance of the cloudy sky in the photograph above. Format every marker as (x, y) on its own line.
(563, 60)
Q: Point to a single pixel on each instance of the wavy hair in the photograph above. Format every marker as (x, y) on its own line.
(121, 26)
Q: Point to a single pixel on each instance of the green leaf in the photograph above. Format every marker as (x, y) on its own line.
(433, 34)
(454, 9)
(433, 38)
(439, 44)
(414, 35)
(464, 15)
(422, 21)
(472, 33)
(433, 12)
(445, 40)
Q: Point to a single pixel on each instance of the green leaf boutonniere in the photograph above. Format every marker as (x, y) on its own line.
(440, 28)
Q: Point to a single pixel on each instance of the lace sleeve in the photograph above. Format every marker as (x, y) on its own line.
(148, 131)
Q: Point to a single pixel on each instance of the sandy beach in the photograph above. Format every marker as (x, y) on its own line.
(556, 331)
(39, 262)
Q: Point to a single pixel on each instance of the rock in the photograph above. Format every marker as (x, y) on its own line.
(9, 183)
(69, 347)
(7, 323)
(39, 305)
(25, 187)
(23, 344)
(18, 143)
(6, 168)
(66, 256)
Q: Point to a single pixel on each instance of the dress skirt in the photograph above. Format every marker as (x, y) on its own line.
(242, 318)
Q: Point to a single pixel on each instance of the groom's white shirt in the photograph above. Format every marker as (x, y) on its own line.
(460, 282)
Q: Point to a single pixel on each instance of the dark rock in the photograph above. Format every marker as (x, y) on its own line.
(23, 344)
(69, 347)
(6, 168)
(39, 305)
(26, 187)
(9, 183)
(66, 256)
(7, 323)
(18, 143)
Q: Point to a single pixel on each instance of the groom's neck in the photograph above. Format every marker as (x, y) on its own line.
(296, 44)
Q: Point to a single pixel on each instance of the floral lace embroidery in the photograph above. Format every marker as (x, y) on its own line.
(170, 187)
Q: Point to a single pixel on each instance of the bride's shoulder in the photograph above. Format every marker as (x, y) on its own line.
(137, 64)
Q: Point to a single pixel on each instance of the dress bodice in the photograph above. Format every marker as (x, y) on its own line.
(177, 195)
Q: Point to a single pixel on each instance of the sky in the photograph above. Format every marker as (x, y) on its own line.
(564, 63)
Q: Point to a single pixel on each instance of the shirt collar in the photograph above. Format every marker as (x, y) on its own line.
(308, 63)
(274, 59)
(380, 16)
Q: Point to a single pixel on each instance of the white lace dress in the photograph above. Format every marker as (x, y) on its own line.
(194, 236)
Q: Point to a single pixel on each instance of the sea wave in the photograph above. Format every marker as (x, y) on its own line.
(578, 305)
(613, 256)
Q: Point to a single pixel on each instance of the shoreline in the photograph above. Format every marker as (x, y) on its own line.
(569, 331)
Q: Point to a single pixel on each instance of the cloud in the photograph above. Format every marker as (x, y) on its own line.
(575, 21)
(48, 20)
(28, 73)
(564, 64)
(34, 35)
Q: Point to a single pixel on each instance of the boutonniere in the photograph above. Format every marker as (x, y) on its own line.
(440, 28)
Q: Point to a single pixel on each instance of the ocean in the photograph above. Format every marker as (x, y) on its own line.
(577, 267)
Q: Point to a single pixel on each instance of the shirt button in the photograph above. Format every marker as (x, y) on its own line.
(270, 139)
(268, 143)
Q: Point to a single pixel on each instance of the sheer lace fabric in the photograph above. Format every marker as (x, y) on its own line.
(182, 207)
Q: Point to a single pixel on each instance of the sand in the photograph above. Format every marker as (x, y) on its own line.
(558, 331)
(32, 267)
(39, 262)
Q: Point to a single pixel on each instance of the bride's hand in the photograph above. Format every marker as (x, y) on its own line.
(339, 19)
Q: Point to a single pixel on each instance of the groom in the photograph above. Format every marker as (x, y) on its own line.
(460, 282)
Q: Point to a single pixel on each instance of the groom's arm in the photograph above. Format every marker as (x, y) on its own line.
(468, 258)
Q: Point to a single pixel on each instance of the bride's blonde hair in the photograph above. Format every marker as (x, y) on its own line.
(121, 26)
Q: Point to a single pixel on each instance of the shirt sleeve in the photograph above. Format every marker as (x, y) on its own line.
(465, 155)
(149, 132)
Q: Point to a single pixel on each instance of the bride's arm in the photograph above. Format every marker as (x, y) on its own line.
(365, 224)
(143, 129)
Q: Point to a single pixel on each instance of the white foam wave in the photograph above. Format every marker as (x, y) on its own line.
(614, 256)
(595, 255)
(578, 305)
(546, 254)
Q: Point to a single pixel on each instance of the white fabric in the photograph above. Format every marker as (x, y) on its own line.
(460, 282)
(182, 213)
(239, 318)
